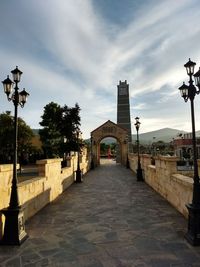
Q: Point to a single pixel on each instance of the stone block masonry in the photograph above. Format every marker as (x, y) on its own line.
(175, 186)
(39, 191)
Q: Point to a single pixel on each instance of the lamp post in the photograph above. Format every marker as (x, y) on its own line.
(127, 162)
(154, 146)
(78, 171)
(14, 229)
(92, 159)
(189, 92)
(139, 169)
(127, 159)
(64, 162)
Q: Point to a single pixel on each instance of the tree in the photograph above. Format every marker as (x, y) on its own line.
(50, 135)
(103, 149)
(113, 148)
(25, 135)
(69, 126)
(59, 129)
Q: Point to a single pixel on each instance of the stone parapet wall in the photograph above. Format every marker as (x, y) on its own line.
(6, 172)
(37, 192)
(5, 184)
(164, 178)
(34, 194)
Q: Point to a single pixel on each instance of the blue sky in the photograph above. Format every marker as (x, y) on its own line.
(77, 51)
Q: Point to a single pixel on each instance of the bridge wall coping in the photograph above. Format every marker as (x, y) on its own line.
(37, 192)
(174, 185)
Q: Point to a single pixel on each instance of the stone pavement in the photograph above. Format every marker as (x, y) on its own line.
(109, 220)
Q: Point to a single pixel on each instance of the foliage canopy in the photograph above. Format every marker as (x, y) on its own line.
(60, 126)
(25, 135)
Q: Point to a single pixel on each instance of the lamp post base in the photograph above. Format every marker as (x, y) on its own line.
(92, 165)
(127, 164)
(78, 176)
(14, 229)
(139, 175)
(193, 233)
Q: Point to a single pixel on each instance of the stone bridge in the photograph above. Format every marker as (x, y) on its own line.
(109, 220)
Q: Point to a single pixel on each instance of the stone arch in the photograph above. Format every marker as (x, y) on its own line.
(109, 129)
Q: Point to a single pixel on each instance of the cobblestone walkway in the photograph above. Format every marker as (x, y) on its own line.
(110, 220)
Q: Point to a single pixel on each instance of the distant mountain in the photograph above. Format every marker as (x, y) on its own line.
(165, 135)
(109, 140)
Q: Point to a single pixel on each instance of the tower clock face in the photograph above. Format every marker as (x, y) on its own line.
(123, 91)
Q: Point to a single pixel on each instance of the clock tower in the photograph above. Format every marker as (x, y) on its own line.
(123, 108)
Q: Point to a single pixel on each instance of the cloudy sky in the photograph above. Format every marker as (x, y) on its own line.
(77, 51)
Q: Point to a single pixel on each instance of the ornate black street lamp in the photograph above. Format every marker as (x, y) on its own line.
(92, 157)
(14, 230)
(139, 169)
(189, 92)
(127, 162)
(78, 171)
(127, 159)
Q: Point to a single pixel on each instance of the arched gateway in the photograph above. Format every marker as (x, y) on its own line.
(109, 129)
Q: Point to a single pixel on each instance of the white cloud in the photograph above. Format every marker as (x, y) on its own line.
(69, 54)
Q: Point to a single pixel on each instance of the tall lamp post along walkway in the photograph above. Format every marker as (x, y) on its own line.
(127, 159)
(91, 153)
(78, 171)
(139, 169)
(14, 230)
(189, 92)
